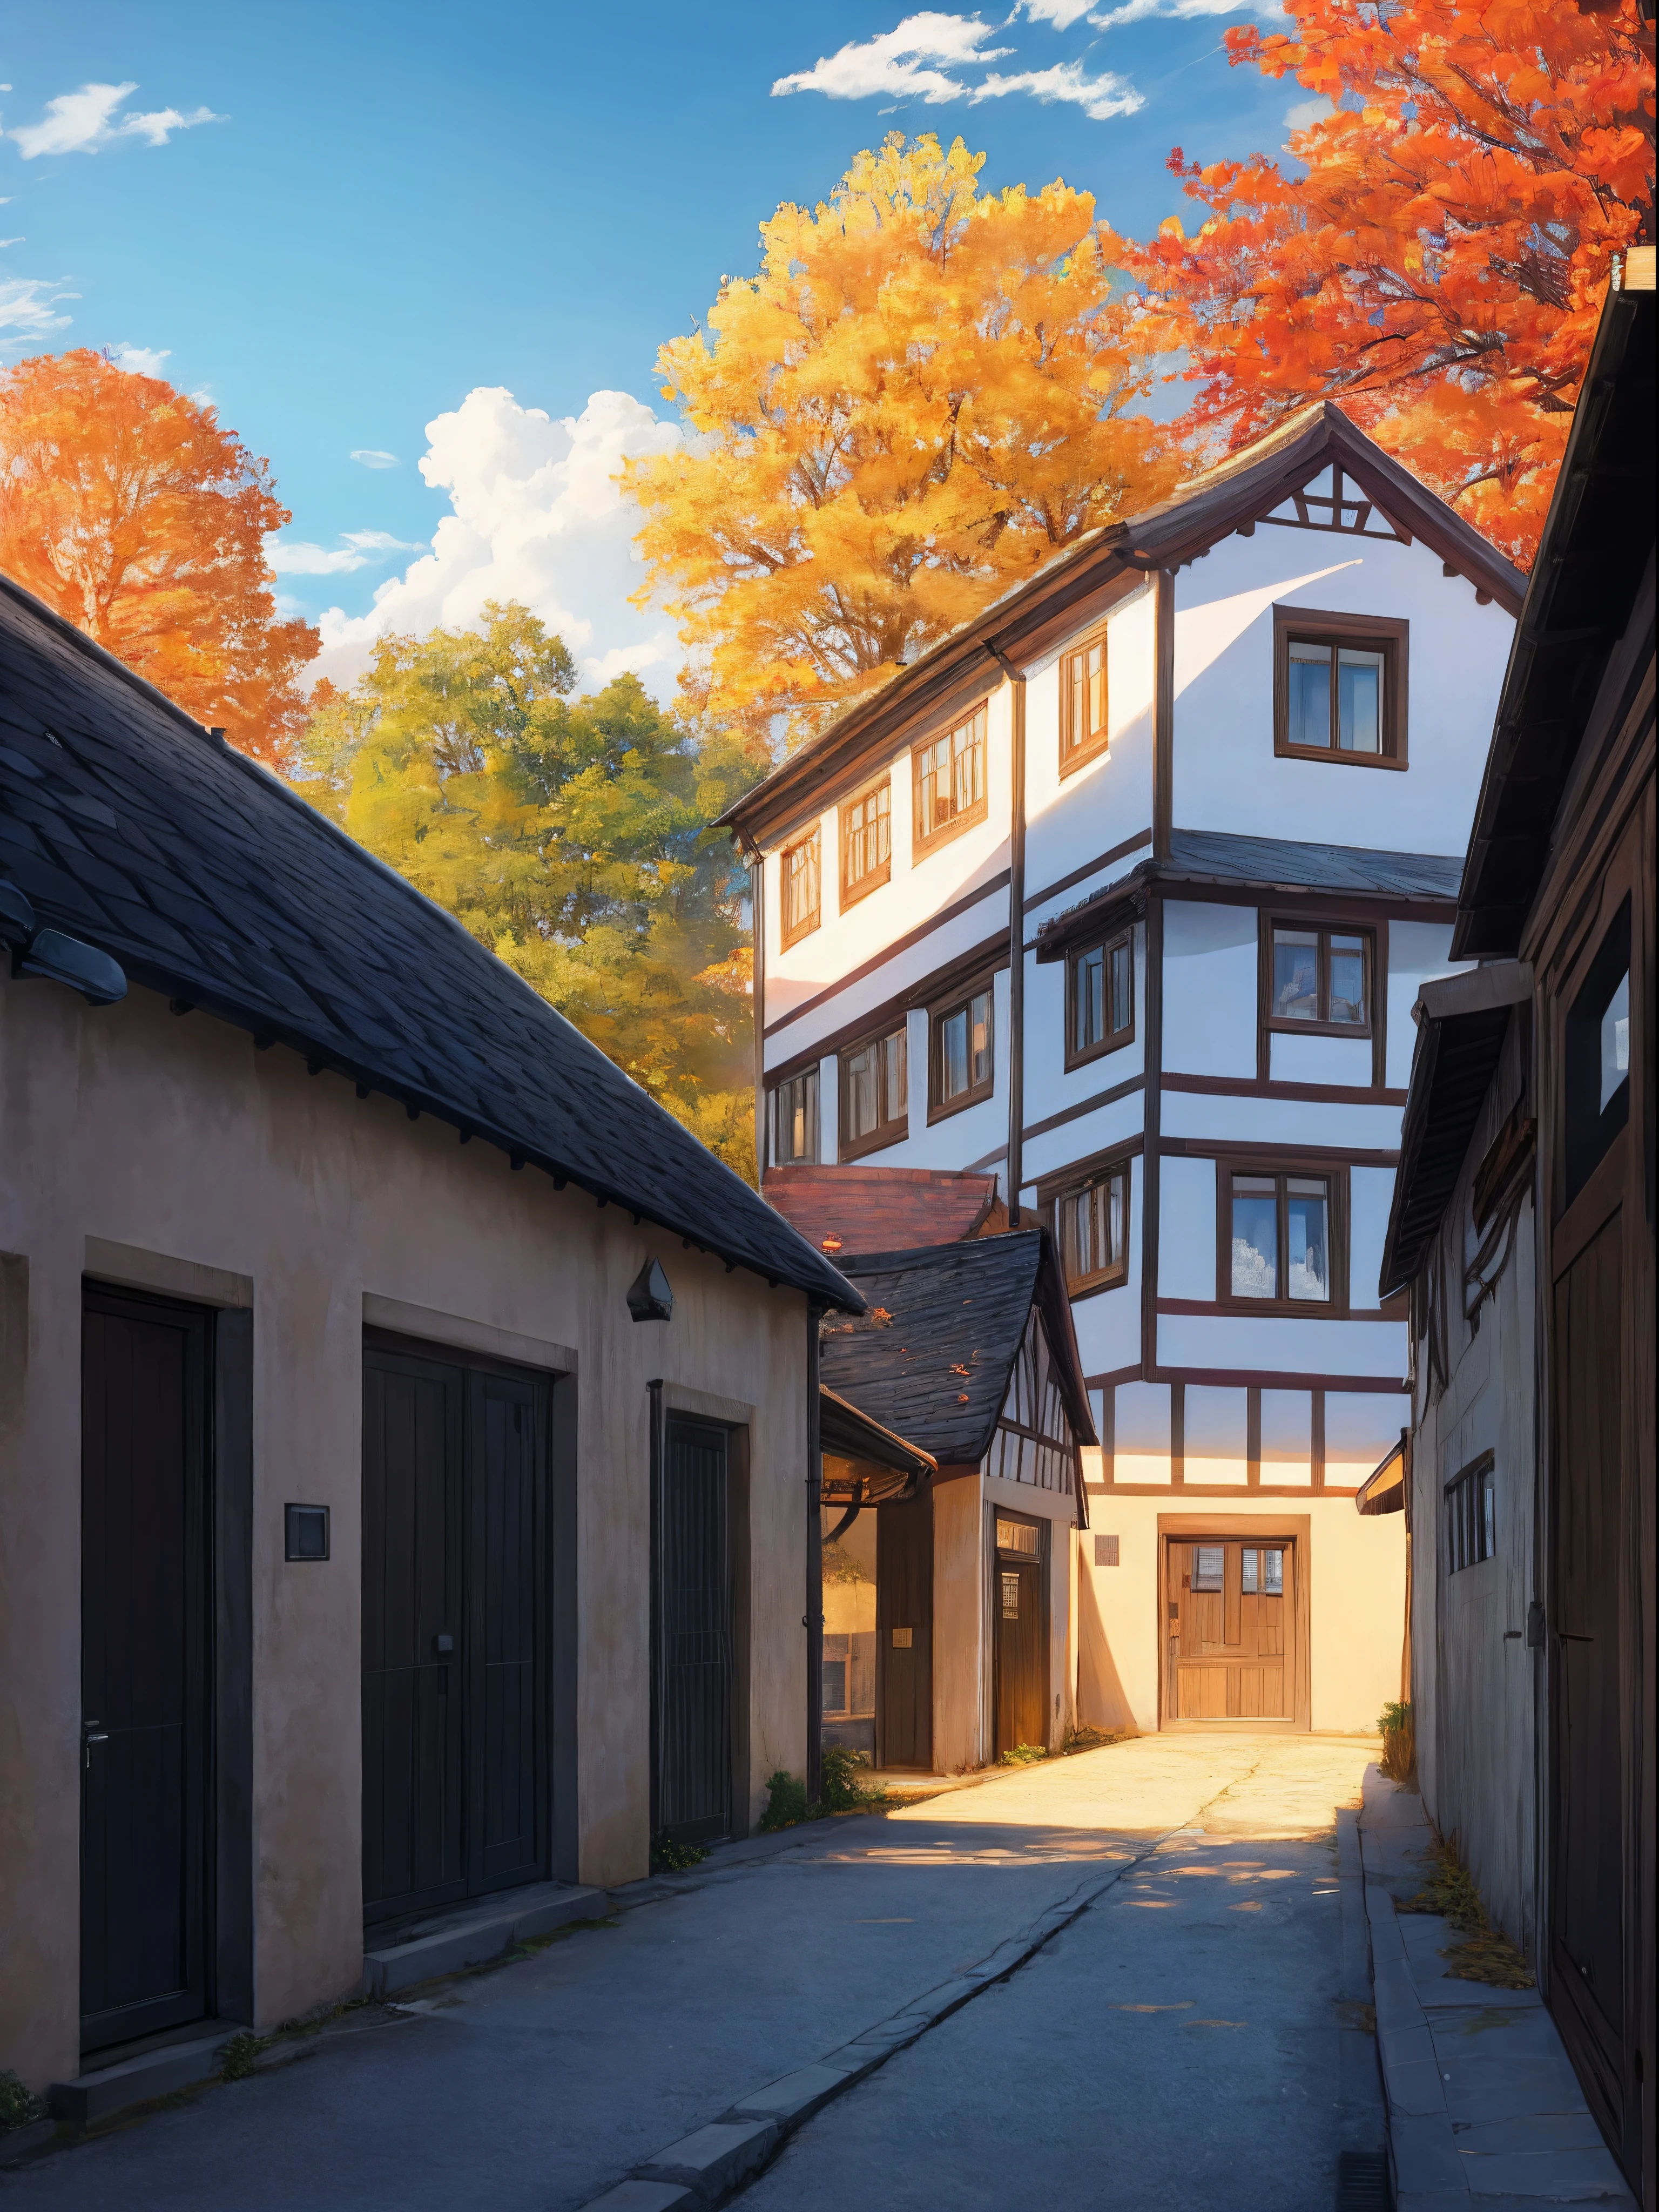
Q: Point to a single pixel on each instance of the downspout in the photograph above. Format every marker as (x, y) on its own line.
(758, 1002)
(655, 1392)
(813, 1619)
(1016, 941)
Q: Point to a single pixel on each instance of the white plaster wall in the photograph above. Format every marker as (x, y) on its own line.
(1209, 988)
(1281, 1121)
(176, 1137)
(1318, 1060)
(1287, 1438)
(1141, 1447)
(1226, 776)
(1282, 1345)
(1361, 1428)
(964, 1138)
(1187, 1228)
(1071, 819)
(1215, 1434)
(1417, 950)
(1370, 1194)
(1096, 1132)
(1049, 1088)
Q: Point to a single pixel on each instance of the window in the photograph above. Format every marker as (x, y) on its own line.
(1083, 702)
(875, 1095)
(1471, 1516)
(962, 1069)
(1597, 1056)
(1277, 1240)
(1261, 1574)
(1021, 1536)
(1100, 999)
(800, 888)
(1320, 980)
(795, 1120)
(867, 842)
(1094, 1231)
(949, 774)
(835, 1686)
(1340, 687)
(1207, 1563)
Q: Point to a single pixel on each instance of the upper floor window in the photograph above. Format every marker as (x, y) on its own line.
(950, 781)
(1082, 702)
(802, 876)
(875, 1095)
(1340, 687)
(1094, 1231)
(1321, 979)
(1101, 998)
(795, 1120)
(1277, 1240)
(867, 842)
(962, 1033)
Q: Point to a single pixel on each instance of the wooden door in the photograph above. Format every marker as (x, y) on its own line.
(453, 1577)
(1022, 1639)
(1230, 1604)
(904, 1633)
(144, 1666)
(695, 1593)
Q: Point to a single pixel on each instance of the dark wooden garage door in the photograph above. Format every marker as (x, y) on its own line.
(694, 1594)
(144, 1666)
(904, 1633)
(454, 1578)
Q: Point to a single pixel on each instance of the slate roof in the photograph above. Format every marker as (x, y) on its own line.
(127, 825)
(1216, 856)
(945, 1308)
(885, 1209)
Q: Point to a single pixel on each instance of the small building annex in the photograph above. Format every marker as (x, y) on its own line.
(376, 1355)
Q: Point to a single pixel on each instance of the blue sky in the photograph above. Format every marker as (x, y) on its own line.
(340, 221)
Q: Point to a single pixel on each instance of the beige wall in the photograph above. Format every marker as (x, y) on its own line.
(960, 1659)
(175, 1137)
(1356, 1592)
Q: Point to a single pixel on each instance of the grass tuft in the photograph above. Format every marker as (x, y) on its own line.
(19, 2108)
(1488, 1956)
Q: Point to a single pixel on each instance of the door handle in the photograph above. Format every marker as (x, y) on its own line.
(443, 1645)
(90, 1734)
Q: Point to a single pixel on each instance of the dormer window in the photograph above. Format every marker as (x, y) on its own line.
(1340, 687)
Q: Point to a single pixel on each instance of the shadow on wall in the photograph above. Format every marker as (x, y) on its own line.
(1101, 1700)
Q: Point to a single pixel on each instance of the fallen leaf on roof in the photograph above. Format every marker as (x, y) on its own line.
(962, 1399)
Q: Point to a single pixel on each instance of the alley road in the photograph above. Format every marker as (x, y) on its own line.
(1183, 2042)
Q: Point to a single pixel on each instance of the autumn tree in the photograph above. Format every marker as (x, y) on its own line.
(569, 834)
(924, 394)
(1440, 266)
(125, 505)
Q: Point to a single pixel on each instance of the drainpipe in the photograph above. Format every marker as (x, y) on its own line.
(758, 1001)
(1016, 941)
(813, 1619)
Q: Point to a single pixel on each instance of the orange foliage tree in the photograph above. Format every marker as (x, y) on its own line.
(1440, 267)
(923, 395)
(124, 504)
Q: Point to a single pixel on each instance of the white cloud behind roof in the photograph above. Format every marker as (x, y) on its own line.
(87, 121)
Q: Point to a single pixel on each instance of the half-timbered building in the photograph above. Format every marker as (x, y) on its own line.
(1122, 894)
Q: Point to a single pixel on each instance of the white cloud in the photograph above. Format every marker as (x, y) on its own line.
(894, 61)
(27, 305)
(13, 241)
(1137, 11)
(1098, 97)
(84, 122)
(1062, 13)
(368, 457)
(537, 517)
(296, 556)
(142, 361)
(1307, 113)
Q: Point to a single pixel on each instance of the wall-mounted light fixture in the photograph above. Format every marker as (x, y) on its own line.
(305, 1532)
(649, 1297)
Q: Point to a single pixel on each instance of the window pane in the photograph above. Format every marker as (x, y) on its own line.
(1206, 1566)
(862, 1074)
(797, 1117)
(800, 885)
(978, 1016)
(1296, 974)
(1256, 1237)
(1089, 1014)
(1308, 1262)
(1489, 1512)
(1272, 1577)
(1115, 1246)
(953, 1054)
(1010, 1597)
(1615, 1040)
(1309, 704)
(835, 1686)
(1017, 1536)
(1077, 1232)
(1122, 988)
(1247, 1574)
(1087, 679)
(1347, 980)
(896, 1077)
(1360, 701)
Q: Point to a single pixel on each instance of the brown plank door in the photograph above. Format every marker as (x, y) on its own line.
(694, 1724)
(904, 1633)
(144, 1902)
(453, 1632)
(1230, 1604)
(1022, 1633)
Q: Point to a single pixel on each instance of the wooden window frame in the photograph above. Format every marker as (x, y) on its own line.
(1366, 633)
(1323, 927)
(812, 1075)
(1335, 1178)
(885, 1132)
(957, 1001)
(1113, 1040)
(921, 845)
(1103, 1279)
(1073, 755)
(786, 934)
(852, 889)
(1476, 1482)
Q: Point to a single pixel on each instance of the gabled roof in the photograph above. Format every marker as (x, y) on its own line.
(130, 827)
(1237, 490)
(932, 1357)
(885, 1209)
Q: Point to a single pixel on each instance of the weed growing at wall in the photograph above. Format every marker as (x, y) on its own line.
(1487, 1955)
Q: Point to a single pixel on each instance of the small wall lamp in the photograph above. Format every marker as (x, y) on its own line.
(649, 1297)
(305, 1529)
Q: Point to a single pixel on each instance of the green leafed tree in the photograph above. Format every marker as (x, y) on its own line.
(570, 835)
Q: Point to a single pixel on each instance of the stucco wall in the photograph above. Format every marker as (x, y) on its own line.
(176, 1138)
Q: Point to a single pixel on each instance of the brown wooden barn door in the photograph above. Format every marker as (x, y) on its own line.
(1022, 1634)
(695, 1582)
(504, 1620)
(144, 1666)
(904, 1633)
(1231, 1605)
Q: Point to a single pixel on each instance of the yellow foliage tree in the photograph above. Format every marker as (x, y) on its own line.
(924, 395)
